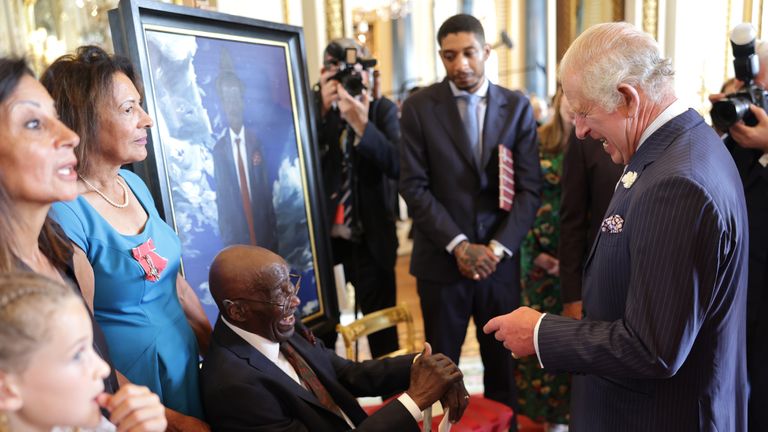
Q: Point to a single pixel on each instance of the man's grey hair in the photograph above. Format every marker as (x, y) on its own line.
(610, 54)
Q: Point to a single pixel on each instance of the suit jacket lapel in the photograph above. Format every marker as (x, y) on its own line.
(495, 117)
(258, 361)
(651, 149)
(447, 114)
(349, 405)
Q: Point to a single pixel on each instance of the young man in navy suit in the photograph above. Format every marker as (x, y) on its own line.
(662, 342)
(465, 243)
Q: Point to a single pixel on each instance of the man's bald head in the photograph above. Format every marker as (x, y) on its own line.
(240, 271)
(250, 286)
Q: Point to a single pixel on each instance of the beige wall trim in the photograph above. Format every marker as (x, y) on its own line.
(650, 17)
(334, 19)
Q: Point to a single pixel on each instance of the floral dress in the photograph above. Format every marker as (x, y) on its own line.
(543, 396)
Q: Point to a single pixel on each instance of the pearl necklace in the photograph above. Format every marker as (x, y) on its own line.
(106, 198)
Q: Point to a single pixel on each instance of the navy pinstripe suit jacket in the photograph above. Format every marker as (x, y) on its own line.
(662, 347)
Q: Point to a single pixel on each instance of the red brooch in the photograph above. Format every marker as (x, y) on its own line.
(152, 263)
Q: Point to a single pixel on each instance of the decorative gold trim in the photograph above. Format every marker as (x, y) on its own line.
(334, 19)
(727, 40)
(747, 13)
(300, 147)
(286, 11)
(651, 17)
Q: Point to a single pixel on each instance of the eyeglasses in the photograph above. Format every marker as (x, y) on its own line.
(285, 305)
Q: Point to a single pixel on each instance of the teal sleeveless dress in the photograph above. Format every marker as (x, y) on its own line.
(149, 338)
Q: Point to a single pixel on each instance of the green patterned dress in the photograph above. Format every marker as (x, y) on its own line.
(543, 397)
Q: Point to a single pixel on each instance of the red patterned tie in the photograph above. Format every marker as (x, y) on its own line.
(309, 378)
(506, 178)
(244, 195)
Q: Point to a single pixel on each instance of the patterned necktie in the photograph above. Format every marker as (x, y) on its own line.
(309, 378)
(471, 124)
(244, 195)
(345, 192)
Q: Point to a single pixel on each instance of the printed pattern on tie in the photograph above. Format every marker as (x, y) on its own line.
(612, 224)
(506, 178)
(309, 378)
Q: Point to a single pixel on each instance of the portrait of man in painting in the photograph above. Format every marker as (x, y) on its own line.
(226, 117)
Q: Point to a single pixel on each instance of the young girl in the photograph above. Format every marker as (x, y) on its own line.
(50, 377)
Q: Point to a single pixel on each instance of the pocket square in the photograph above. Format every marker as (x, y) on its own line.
(612, 224)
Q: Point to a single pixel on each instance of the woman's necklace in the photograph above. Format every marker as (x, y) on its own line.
(106, 198)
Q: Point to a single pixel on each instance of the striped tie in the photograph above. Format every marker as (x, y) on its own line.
(309, 378)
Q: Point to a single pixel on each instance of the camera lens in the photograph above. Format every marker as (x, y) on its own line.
(727, 112)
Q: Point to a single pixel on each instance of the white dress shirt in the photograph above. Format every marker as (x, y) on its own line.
(246, 163)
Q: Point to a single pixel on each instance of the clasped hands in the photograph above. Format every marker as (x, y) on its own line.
(435, 377)
(476, 261)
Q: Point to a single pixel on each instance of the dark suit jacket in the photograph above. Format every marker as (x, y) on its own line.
(244, 391)
(754, 178)
(662, 344)
(449, 194)
(232, 223)
(376, 169)
(588, 181)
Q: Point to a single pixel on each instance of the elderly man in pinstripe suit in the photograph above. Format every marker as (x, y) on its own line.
(662, 345)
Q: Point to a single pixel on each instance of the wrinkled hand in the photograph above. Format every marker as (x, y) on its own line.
(328, 90)
(752, 137)
(178, 422)
(431, 377)
(134, 408)
(549, 263)
(455, 400)
(476, 261)
(573, 310)
(515, 330)
(354, 111)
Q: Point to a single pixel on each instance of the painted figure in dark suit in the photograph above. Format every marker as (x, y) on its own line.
(464, 256)
(749, 148)
(589, 179)
(662, 343)
(358, 139)
(261, 375)
(246, 213)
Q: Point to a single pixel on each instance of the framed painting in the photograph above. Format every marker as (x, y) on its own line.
(233, 157)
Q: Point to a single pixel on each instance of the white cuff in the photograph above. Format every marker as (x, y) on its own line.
(494, 244)
(763, 160)
(536, 339)
(411, 406)
(455, 242)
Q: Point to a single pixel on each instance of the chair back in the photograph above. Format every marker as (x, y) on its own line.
(375, 321)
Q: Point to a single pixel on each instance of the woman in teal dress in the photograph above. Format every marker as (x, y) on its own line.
(126, 257)
(544, 397)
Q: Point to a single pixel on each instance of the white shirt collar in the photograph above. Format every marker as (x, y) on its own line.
(234, 135)
(675, 109)
(482, 91)
(269, 349)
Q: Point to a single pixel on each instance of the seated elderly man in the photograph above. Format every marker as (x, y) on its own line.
(261, 375)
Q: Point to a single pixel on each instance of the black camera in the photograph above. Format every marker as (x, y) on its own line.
(735, 106)
(349, 74)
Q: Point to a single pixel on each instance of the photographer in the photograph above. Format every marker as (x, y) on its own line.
(358, 141)
(749, 147)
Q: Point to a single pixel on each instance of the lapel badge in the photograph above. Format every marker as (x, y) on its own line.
(256, 158)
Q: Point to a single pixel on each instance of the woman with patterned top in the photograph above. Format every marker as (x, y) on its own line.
(543, 396)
